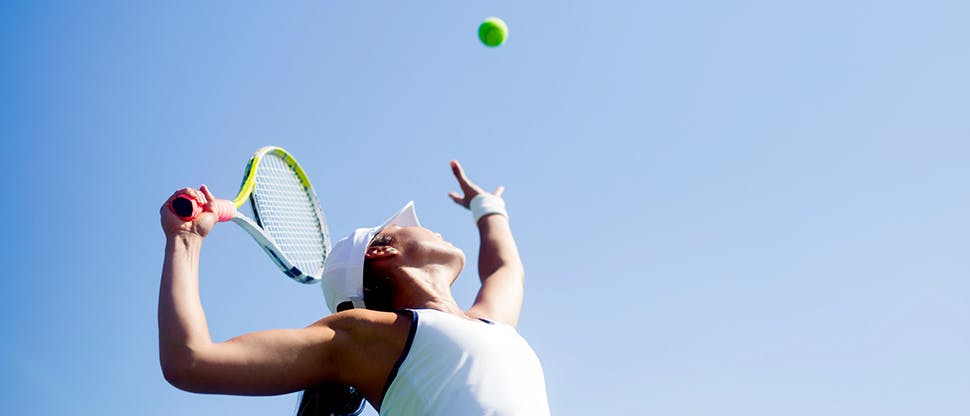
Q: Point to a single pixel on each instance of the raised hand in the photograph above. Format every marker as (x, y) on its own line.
(468, 188)
(201, 225)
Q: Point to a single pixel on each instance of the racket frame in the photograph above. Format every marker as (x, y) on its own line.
(255, 227)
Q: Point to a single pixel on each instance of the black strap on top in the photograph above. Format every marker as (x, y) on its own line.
(335, 399)
(404, 352)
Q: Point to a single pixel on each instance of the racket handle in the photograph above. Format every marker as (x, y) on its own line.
(187, 208)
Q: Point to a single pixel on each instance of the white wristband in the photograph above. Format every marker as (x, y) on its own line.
(486, 204)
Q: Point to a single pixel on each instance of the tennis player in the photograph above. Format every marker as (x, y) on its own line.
(397, 335)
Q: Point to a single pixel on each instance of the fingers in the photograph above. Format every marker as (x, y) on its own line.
(186, 193)
(456, 168)
(200, 221)
(208, 195)
(460, 200)
(192, 193)
(462, 182)
(468, 187)
(180, 192)
(198, 197)
(459, 173)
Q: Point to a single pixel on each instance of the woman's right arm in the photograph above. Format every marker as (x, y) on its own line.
(269, 362)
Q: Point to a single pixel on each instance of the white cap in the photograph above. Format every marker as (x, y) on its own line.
(343, 272)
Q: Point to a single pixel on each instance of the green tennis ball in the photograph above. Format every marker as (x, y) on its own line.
(493, 32)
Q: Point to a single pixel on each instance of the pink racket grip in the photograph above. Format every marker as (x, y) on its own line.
(187, 208)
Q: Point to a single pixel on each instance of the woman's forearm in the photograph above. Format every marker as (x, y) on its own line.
(182, 327)
(497, 248)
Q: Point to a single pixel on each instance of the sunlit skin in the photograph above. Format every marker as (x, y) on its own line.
(423, 265)
(356, 347)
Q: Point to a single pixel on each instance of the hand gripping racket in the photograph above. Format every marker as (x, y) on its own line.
(287, 221)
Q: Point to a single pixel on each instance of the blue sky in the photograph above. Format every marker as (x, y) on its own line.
(724, 208)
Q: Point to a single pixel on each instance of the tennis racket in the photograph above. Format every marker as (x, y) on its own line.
(287, 221)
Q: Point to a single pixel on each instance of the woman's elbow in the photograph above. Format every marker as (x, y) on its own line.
(178, 375)
(182, 373)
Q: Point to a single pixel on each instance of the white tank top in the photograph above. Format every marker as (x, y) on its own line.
(452, 366)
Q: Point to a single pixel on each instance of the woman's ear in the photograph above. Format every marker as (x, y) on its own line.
(380, 252)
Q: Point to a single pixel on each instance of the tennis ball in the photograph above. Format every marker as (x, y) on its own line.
(493, 32)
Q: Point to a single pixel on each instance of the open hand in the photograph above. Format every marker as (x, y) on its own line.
(468, 188)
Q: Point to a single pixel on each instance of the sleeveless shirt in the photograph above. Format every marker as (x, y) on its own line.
(452, 366)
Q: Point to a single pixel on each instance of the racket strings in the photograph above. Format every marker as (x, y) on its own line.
(290, 214)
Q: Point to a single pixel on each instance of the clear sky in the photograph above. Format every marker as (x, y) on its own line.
(724, 207)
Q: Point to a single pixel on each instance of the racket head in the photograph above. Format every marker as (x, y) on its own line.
(287, 210)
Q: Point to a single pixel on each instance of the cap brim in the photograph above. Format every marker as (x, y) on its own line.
(406, 217)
